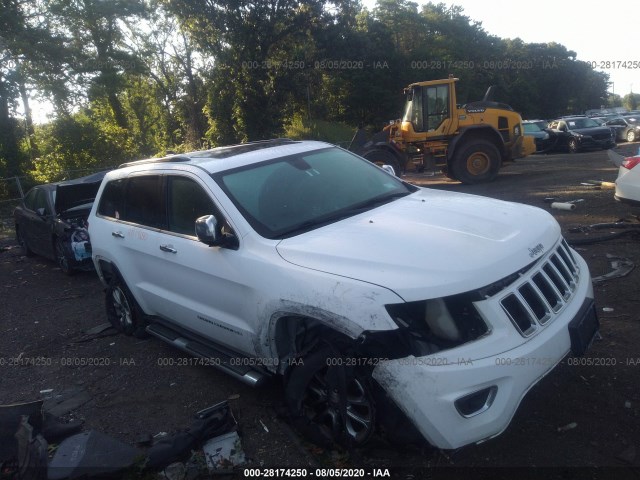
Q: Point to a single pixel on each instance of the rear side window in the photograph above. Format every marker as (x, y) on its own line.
(112, 200)
(144, 201)
(187, 201)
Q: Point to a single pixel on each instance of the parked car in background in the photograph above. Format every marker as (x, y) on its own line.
(580, 133)
(626, 127)
(544, 139)
(51, 221)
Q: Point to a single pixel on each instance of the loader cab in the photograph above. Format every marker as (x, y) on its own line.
(428, 106)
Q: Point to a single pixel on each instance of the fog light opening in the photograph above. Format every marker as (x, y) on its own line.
(477, 402)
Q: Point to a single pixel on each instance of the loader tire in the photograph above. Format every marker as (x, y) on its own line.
(383, 157)
(476, 162)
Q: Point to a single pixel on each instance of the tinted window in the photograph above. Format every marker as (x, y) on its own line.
(112, 201)
(144, 201)
(30, 199)
(37, 199)
(187, 202)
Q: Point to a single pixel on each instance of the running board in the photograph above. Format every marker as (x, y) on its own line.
(199, 347)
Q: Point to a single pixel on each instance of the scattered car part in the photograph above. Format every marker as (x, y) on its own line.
(627, 229)
(621, 268)
(208, 423)
(563, 205)
(10, 419)
(91, 454)
(223, 453)
(32, 452)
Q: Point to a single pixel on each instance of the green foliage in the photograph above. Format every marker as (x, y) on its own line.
(80, 143)
(631, 101)
(337, 133)
(147, 76)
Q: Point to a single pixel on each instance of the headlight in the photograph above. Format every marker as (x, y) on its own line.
(438, 324)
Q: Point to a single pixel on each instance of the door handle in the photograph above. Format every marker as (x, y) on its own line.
(117, 234)
(168, 248)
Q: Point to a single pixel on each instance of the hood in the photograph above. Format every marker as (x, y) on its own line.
(592, 131)
(429, 244)
(77, 192)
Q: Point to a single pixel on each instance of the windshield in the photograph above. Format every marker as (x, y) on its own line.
(531, 128)
(290, 195)
(581, 123)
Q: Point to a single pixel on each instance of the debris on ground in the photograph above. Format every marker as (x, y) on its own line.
(224, 452)
(569, 426)
(621, 268)
(211, 444)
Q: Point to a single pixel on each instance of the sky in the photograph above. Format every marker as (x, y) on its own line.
(598, 31)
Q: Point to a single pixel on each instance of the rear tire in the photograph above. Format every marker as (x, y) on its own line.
(383, 157)
(122, 311)
(476, 162)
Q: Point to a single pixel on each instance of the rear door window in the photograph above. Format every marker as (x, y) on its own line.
(145, 201)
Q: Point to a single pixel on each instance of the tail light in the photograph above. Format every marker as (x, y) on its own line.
(630, 162)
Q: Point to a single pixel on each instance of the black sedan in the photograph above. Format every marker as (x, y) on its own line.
(627, 127)
(51, 221)
(544, 139)
(581, 133)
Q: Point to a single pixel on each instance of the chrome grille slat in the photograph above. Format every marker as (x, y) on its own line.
(540, 298)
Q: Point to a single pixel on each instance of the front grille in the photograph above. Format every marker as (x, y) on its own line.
(549, 287)
(602, 136)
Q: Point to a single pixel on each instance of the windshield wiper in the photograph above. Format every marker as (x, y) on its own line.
(340, 214)
(376, 201)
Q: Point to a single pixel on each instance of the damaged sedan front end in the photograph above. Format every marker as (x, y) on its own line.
(51, 221)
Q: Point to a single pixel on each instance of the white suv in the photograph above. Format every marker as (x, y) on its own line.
(380, 302)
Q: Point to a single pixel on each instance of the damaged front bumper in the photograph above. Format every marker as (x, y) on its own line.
(462, 396)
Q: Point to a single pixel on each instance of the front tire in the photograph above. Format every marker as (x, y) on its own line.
(122, 310)
(477, 162)
(383, 157)
(61, 257)
(631, 136)
(573, 145)
(330, 401)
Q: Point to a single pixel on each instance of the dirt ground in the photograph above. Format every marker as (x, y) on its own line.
(581, 421)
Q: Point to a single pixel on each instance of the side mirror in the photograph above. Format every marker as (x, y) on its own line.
(41, 212)
(209, 231)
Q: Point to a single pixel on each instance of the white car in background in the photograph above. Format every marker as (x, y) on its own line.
(628, 181)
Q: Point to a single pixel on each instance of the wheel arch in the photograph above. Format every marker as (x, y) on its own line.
(292, 334)
(474, 133)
